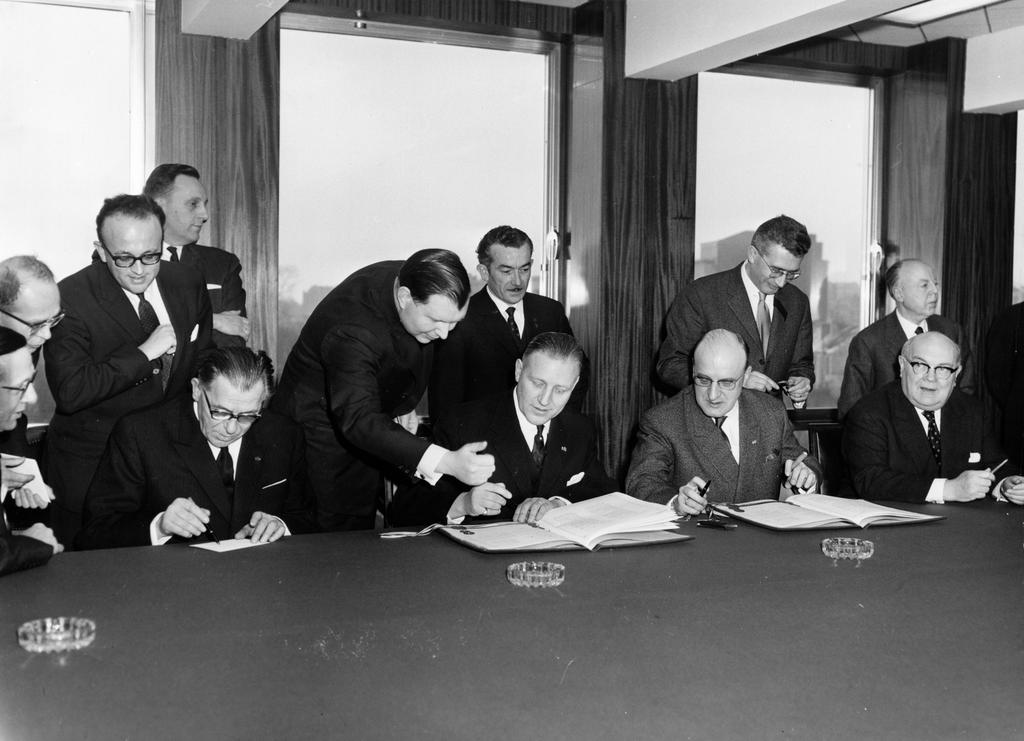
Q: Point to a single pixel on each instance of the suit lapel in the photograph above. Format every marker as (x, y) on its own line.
(779, 316)
(116, 304)
(894, 341)
(907, 424)
(511, 449)
(755, 451)
(710, 441)
(176, 311)
(497, 324)
(247, 476)
(556, 453)
(739, 303)
(195, 452)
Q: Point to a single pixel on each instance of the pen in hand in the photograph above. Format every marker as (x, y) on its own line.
(1004, 461)
(206, 528)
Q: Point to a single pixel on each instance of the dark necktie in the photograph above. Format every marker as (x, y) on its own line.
(933, 437)
(511, 311)
(538, 447)
(764, 323)
(919, 330)
(719, 421)
(149, 322)
(174, 253)
(227, 471)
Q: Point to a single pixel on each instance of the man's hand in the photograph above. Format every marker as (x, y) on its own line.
(233, 323)
(532, 509)
(1013, 489)
(262, 528)
(42, 533)
(689, 501)
(968, 486)
(799, 475)
(410, 422)
(161, 342)
(467, 464)
(183, 518)
(798, 388)
(486, 499)
(760, 382)
(37, 496)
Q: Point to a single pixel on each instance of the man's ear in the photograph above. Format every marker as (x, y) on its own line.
(404, 297)
(195, 390)
(902, 363)
(481, 270)
(746, 375)
(102, 253)
(519, 368)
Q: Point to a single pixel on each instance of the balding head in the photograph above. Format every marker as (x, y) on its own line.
(929, 366)
(719, 371)
(29, 299)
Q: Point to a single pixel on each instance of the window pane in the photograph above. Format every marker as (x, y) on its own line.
(767, 147)
(392, 146)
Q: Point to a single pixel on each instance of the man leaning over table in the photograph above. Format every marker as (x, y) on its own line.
(920, 439)
(34, 545)
(217, 464)
(545, 455)
(735, 440)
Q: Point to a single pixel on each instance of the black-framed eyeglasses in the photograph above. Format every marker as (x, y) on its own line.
(942, 372)
(223, 415)
(20, 390)
(777, 272)
(38, 327)
(126, 261)
(726, 384)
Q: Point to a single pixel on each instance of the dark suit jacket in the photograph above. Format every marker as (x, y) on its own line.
(677, 441)
(719, 301)
(1004, 371)
(887, 451)
(571, 447)
(479, 356)
(98, 374)
(159, 454)
(222, 274)
(872, 359)
(19, 552)
(353, 370)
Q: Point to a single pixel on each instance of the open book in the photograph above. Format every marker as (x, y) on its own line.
(610, 521)
(819, 511)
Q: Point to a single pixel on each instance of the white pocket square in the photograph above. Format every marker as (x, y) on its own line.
(195, 333)
(213, 286)
(575, 479)
(974, 458)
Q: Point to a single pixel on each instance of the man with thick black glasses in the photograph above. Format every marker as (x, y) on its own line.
(132, 333)
(758, 301)
(214, 466)
(920, 439)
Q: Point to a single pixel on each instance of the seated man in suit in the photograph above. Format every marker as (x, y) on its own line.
(545, 455)
(33, 546)
(920, 439)
(872, 359)
(183, 198)
(478, 357)
(757, 301)
(736, 441)
(131, 336)
(216, 463)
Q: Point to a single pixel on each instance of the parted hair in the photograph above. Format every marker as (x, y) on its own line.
(783, 230)
(163, 176)
(435, 273)
(506, 236)
(241, 366)
(557, 345)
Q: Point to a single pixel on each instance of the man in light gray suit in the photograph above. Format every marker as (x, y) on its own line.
(737, 440)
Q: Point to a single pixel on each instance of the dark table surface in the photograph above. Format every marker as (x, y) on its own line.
(733, 635)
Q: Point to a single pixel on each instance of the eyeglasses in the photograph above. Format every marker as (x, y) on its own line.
(726, 384)
(38, 327)
(942, 372)
(20, 390)
(223, 415)
(126, 261)
(777, 272)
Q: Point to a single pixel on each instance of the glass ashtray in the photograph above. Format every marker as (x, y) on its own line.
(535, 574)
(56, 634)
(848, 549)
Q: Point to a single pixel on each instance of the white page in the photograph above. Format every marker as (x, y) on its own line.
(234, 544)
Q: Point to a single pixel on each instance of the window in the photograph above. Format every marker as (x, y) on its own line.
(769, 146)
(389, 145)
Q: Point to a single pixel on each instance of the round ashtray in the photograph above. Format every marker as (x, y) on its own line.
(535, 574)
(848, 549)
(56, 634)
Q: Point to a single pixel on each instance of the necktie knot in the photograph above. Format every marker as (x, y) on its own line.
(538, 447)
(920, 330)
(174, 253)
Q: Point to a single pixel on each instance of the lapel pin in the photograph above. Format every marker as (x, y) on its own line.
(564, 450)
(257, 459)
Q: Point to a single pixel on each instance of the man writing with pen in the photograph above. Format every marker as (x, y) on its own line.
(215, 466)
(717, 441)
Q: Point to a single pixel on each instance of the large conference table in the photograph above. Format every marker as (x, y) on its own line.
(742, 634)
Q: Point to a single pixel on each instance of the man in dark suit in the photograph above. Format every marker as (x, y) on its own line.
(545, 454)
(31, 546)
(216, 463)
(756, 301)
(132, 335)
(734, 440)
(479, 356)
(357, 372)
(919, 439)
(1004, 371)
(183, 198)
(872, 359)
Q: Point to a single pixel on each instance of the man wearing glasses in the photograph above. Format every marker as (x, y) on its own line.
(720, 442)
(133, 330)
(215, 466)
(757, 301)
(920, 439)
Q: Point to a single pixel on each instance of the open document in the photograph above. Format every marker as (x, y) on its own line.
(819, 512)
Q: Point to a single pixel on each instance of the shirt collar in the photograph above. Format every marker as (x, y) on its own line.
(908, 326)
(527, 427)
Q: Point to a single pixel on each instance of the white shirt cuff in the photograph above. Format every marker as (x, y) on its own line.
(155, 538)
(426, 469)
(934, 495)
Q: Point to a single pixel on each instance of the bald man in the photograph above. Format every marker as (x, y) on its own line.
(920, 439)
(718, 432)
